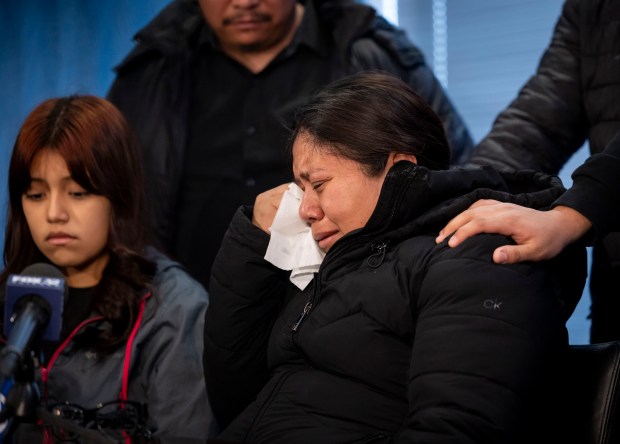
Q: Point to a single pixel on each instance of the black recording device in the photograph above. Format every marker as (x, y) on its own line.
(33, 308)
(33, 305)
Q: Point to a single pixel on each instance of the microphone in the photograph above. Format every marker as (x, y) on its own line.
(33, 308)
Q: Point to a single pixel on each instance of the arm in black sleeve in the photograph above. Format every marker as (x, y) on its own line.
(484, 337)
(596, 189)
(245, 295)
(546, 123)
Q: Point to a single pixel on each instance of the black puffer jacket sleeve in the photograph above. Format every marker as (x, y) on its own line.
(247, 294)
(547, 121)
(596, 190)
(484, 338)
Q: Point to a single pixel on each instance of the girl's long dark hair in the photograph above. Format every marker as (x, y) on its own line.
(101, 154)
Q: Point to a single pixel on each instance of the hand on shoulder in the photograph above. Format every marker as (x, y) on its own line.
(539, 234)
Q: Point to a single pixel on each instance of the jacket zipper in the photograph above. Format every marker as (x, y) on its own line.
(302, 316)
(307, 308)
(375, 260)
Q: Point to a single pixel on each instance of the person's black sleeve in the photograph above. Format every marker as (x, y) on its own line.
(595, 192)
(245, 295)
(546, 123)
(486, 336)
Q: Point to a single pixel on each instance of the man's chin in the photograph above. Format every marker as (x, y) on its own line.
(252, 46)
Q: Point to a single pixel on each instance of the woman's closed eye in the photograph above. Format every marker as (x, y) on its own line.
(33, 195)
(79, 194)
(318, 185)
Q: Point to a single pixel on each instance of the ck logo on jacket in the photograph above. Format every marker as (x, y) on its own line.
(492, 304)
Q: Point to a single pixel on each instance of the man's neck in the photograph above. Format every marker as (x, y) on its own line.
(257, 60)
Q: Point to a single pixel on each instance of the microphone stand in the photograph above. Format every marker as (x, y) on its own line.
(19, 398)
(22, 396)
(19, 394)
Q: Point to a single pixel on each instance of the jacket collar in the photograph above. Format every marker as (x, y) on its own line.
(416, 199)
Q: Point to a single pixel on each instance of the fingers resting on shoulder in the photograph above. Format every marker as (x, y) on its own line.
(538, 234)
(483, 216)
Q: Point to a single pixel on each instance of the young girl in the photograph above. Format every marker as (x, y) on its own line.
(131, 341)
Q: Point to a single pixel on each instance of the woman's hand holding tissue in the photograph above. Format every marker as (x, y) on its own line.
(266, 205)
(291, 245)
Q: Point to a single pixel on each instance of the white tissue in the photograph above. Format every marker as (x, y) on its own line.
(291, 246)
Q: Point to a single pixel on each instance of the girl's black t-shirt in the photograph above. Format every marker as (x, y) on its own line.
(78, 306)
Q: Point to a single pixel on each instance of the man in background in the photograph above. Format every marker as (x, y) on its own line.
(210, 88)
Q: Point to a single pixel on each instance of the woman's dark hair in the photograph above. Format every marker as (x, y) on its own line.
(95, 141)
(366, 116)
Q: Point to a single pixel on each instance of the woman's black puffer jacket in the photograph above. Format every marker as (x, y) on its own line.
(396, 339)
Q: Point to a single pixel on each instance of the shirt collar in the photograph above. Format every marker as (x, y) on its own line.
(310, 32)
